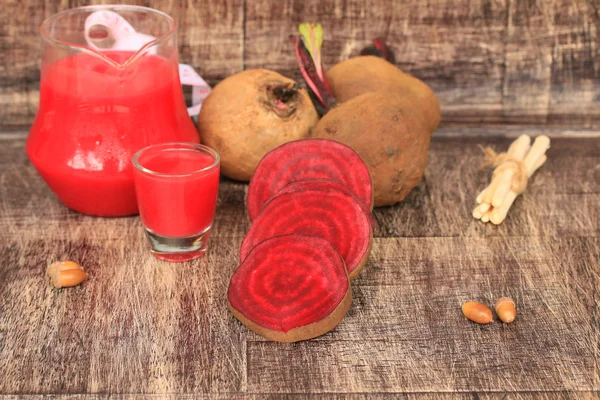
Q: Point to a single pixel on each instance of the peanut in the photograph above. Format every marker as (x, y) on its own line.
(66, 274)
(506, 310)
(477, 312)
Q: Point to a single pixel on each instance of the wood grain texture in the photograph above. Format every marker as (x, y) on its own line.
(147, 328)
(327, 396)
(554, 204)
(150, 329)
(210, 39)
(489, 61)
(405, 330)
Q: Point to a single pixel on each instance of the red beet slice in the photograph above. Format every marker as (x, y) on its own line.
(291, 288)
(325, 185)
(333, 216)
(304, 159)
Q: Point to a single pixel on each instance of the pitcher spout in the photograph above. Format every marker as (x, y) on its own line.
(96, 30)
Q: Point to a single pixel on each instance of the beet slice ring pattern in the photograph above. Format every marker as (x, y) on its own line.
(291, 288)
(333, 216)
(308, 158)
(325, 185)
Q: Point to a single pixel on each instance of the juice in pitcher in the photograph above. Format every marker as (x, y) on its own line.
(99, 106)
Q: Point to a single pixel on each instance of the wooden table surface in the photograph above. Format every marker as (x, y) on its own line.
(146, 328)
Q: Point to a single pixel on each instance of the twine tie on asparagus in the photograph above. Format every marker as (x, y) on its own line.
(503, 162)
(511, 173)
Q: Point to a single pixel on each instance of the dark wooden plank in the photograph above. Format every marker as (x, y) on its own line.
(408, 281)
(528, 61)
(180, 331)
(329, 396)
(575, 87)
(551, 72)
(20, 46)
(456, 48)
(561, 395)
(489, 61)
(405, 330)
(135, 325)
(142, 326)
(561, 198)
(210, 38)
(210, 33)
(557, 202)
(377, 366)
(406, 314)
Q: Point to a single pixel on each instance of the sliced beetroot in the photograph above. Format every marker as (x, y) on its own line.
(334, 216)
(306, 159)
(291, 288)
(325, 185)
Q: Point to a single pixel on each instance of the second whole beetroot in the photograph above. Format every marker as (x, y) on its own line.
(364, 74)
(390, 136)
(370, 105)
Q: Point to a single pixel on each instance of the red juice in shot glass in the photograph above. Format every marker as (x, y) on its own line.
(176, 186)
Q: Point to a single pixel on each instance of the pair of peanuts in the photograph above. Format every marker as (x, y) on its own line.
(477, 312)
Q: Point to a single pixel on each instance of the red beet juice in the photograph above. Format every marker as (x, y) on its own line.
(94, 116)
(177, 186)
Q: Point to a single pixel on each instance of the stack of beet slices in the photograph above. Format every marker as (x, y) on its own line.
(310, 203)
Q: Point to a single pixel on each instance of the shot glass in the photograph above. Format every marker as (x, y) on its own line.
(176, 187)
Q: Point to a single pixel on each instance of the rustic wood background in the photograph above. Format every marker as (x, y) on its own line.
(490, 61)
(139, 326)
(149, 329)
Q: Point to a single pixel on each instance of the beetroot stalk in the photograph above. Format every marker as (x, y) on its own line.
(380, 49)
(308, 56)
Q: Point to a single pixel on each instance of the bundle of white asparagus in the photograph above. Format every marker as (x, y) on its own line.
(511, 172)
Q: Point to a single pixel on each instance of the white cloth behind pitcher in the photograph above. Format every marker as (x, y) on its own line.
(126, 38)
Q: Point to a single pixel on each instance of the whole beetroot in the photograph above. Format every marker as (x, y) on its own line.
(364, 74)
(386, 116)
(251, 113)
(391, 137)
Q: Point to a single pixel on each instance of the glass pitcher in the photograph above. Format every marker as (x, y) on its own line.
(109, 87)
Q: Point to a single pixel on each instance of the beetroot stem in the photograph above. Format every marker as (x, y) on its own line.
(380, 49)
(319, 88)
(285, 93)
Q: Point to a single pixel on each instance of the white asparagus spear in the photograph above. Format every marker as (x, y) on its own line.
(503, 187)
(484, 207)
(519, 148)
(499, 214)
(489, 194)
(540, 145)
(517, 151)
(487, 215)
(480, 196)
(481, 209)
(534, 160)
(539, 163)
